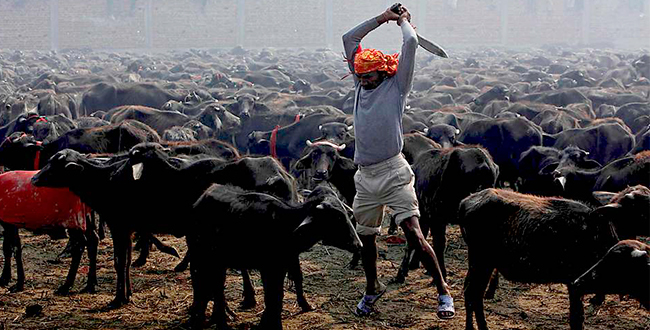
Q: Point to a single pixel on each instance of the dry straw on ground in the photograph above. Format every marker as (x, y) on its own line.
(161, 297)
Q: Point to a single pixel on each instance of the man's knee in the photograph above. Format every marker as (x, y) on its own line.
(410, 224)
(412, 231)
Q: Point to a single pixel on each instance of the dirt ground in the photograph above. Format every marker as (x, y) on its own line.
(162, 297)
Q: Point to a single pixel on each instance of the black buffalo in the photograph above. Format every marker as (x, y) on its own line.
(511, 232)
(443, 177)
(605, 142)
(106, 96)
(236, 228)
(506, 139)
(624, 269)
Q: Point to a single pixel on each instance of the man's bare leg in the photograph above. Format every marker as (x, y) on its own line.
(414, 237)
(369, 260)
(374, 288)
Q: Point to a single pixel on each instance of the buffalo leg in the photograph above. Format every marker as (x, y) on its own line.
(273, 281)
(20, 270)
(403, 270)
(576, 309)
(127, 267)
(475, 283)
(77, 243)
(392, 227)
(203, 289)
(219, 315)
(121, 240)
(296, 274)
(92, 241)
(67, 250)
(101, 225)
(182, 266)
(164, 248)
(249, 293)
(494, 284)
(143, 245)
(356, 256)
(10, 233)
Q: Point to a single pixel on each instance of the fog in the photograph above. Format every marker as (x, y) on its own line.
(181, 24)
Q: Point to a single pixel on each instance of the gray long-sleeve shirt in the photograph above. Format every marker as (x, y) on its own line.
(378, 112)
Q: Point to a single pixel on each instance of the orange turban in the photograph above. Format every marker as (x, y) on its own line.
(369, 60)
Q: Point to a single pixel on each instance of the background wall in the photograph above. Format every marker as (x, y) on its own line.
(163, 24)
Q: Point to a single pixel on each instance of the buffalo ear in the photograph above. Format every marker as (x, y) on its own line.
(590, 164)
(74, 167)
(303, 163)
(603, 197)
(264, 143)
(303, 224)
(548, 169)
(324, 205)
(346, 163)
(609, 213)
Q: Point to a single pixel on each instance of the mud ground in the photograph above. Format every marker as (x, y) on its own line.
(162, 297)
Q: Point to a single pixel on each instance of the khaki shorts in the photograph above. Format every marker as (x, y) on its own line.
(388, 183)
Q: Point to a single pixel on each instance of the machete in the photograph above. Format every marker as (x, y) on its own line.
(427, 44)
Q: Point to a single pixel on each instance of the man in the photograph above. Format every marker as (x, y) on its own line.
(384, 177)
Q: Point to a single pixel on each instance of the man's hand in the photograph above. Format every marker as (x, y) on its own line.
(386, 16)
(405, 15)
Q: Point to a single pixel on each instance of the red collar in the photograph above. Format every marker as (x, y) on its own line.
(37, 160)
(37, 157)
(274, 140)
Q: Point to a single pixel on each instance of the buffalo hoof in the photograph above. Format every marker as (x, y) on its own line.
(66, 253)
(355, 261)
(230, 315)
(55, 261)
(17, 288)
(139, 262)
(116, 303)
(89, 289)
(196, 323)
(63, 290)
(598, 299)
(248, 304)
(305, 307)
(4, 282)
(399, 279)
(171, 251)
(181, 267)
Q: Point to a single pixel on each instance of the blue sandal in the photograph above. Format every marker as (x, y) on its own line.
(445, 307)
(366, 306)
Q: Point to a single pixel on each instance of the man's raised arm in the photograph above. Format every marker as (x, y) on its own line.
(407, 57)
(353, 37)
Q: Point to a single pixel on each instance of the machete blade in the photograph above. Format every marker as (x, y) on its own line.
(431, 46)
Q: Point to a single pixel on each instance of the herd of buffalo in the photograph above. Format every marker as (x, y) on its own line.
(541, 156)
